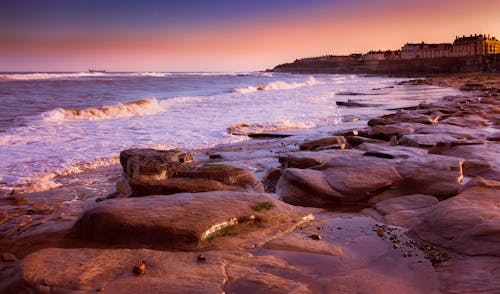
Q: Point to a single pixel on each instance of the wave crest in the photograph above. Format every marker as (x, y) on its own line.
(278, 85)
(281, 126)
(134, 108)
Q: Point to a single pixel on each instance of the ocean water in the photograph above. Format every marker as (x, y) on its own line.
(54, 124)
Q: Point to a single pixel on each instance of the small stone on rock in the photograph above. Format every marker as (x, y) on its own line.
(315, 237)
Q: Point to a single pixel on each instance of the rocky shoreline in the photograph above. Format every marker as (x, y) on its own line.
(408, 204)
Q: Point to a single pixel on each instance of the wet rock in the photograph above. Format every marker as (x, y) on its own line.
(355, 141)
(468, 121)
(470, 275)
(18, 200)
(425, 140)
(149, 165)
(271, 179)
(461, 133)
(397, 129)
(385, 151)
(84, 269)
(336, 142)
(403, 115)
(405, 211)
(158, 163)
(342, 179)
(346, 259)
(4, 216)
(406, 203)
(263, 274)
(480, 159)
(494, 137)
(468, 223)
(434, 175)
(187, 221)
(8, 257)
(306, 159)
(149, 172)
(193, 179)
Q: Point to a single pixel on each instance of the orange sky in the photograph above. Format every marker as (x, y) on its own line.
(249, 44)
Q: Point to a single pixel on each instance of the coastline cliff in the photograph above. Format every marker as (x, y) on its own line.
(355, 64)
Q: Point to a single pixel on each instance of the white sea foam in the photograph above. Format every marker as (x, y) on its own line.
(277, 85)
(134, 108)
(47, 181)
(154, 74)
(280, 126)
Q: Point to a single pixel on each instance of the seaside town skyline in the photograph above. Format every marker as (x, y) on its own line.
(219, 36)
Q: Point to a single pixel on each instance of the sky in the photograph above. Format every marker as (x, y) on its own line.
(216, 35)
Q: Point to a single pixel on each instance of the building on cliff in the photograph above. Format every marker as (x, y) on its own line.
(424, 50)
(475, 45)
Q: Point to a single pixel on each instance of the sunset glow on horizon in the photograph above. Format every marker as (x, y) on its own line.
(219, 36)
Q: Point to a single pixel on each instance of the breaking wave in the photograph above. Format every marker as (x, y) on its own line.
(281, 126)
(278, 85)
(134, 108)
(48, 181)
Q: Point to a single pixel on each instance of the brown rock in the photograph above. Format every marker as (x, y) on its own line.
(408, 202)
(426, 140)
(335, 142)
(306, 159)
(187, 221)
(152, 162)
(85, 270)
(385, 151)
(461, 133)
(342, 179)
(398, 129)
(435, 175)
(8, 257)
(406, 211)
(468, 223)
(480, 159)
(4, 216)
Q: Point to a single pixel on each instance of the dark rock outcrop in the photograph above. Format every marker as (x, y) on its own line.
(150, 172)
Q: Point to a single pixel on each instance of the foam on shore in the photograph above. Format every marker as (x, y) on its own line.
(134, 108)
(277, 85)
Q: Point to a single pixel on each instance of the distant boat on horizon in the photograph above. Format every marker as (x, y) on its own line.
(93, 70)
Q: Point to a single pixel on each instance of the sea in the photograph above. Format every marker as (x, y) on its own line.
(57, 124)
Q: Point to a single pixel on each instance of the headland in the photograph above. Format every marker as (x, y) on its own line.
(475, 53)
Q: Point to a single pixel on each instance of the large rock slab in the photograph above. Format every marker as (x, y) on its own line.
(458, 132)
(335, 142)
(480, 159)
(426, 140)
(387, 151)
(434, 175)
(405, 211)
(56, 270)
(468, 223)
(194, 179)
(397, 129)
(306, 159)
(150, 172)
(343, 179)
(188, 221)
